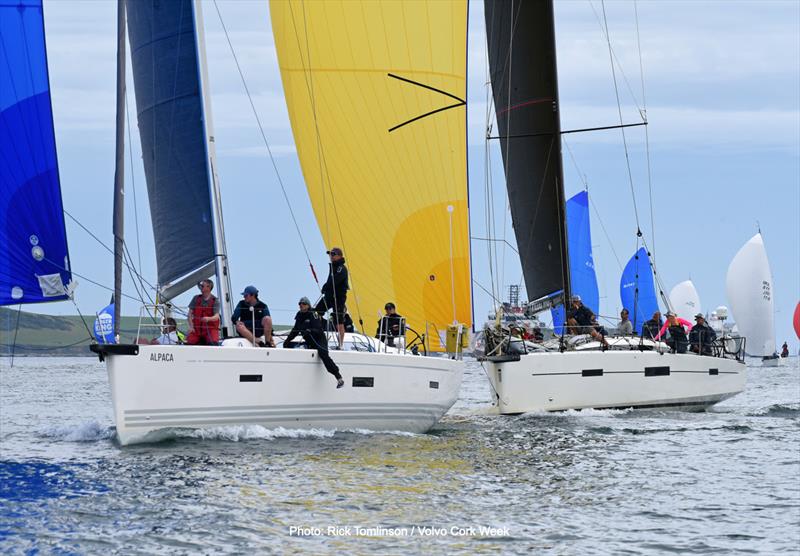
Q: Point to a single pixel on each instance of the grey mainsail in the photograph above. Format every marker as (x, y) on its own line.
(170, 112)
(522, 62)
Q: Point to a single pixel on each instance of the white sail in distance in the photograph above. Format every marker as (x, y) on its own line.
(749, 290)
(685, 300)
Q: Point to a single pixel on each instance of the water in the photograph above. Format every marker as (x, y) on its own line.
(600, 482)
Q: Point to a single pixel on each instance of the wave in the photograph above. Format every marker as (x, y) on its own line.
(777, 410)
(236, 433)
(89, 431)
(589, 412)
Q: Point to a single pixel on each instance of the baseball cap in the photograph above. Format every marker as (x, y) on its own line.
(304, 300)
(389, 305)
(699, 316)
(252, 290)
(575, 298)
(335, 251)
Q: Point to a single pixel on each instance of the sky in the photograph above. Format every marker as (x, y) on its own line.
(722, 97)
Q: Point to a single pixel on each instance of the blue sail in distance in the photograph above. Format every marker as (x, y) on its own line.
(643, 303)
(34, 260)
(581, 262)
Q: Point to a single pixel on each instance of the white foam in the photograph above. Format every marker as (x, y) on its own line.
(236, 433)
(89, 431)
(589, 412)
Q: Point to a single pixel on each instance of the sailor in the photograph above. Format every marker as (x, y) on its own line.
(308, 324)
(702, 336)
(785, 350)
(251, 318)
(676, 338)
(390, 326)
(625, 327)
(204, 317)
(334, 292)
(581, 320)
(651, 327)
(170, 334)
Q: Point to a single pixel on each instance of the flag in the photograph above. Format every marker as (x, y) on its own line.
(104, 325)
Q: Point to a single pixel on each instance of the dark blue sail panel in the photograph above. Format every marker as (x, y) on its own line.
(169, 105)
(581, 261)
(637, 290)
(34, 260)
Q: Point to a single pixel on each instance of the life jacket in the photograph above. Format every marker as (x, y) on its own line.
(202, 309)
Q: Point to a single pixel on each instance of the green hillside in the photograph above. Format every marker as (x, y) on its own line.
(49, 335)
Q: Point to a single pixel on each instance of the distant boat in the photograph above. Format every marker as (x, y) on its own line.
(34, 258)
(685, 300)
(749, 290)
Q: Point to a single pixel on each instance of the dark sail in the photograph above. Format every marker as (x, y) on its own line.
(169, 105)
(522, 61)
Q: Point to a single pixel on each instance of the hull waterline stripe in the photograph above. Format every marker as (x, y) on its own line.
(234, 415)
(343, 406)
(298, 419)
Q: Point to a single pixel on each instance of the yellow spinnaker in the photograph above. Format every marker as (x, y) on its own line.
(353, 73)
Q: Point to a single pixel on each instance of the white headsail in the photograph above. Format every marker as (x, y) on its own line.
(749, 289)
(685, 301)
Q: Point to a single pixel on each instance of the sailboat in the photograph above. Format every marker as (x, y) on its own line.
(749, 290)
(685, 300)
(634, 372)
(34, 256)
(385, 165)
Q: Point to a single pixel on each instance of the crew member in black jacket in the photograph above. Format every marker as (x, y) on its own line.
(390, 326)
(334, 292)
(308, 324)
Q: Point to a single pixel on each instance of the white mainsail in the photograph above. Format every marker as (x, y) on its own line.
(685, 301)
(749, 289)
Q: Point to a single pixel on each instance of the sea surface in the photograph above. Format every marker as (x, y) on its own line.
(725, 481)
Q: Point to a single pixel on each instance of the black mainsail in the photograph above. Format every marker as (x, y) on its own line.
(522, 61)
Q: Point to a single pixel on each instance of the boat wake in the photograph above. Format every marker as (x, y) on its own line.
(89, 431)
(237, 433)
(777, 410)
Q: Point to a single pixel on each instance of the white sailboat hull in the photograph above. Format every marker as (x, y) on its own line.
(556, 381)
(168, 387)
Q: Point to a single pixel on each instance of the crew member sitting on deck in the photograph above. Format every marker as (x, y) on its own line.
(251, 318)
(390, 326)
(581, 320)
(702, 336)
(309, 324)
(170, 334)
(651, 327)
(204, 317)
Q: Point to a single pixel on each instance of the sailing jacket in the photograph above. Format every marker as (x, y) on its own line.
(308, 324)
(337, 284)
(242, 312)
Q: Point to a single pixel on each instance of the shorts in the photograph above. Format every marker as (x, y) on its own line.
(337, 316)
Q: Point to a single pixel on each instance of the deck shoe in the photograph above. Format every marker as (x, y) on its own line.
(339, 383)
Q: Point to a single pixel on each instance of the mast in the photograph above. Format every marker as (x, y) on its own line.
(220, 249)
(119, 169)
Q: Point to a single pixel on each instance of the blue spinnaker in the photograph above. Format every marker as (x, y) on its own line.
(637, 290)
(34, 260)
(104, 325)
(581, 262)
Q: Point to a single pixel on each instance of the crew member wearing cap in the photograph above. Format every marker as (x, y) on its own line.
(308, 324)
(334, 292)
(390, 326)
(702, 336)
(581, 320)
(252, 320)
(677, 333)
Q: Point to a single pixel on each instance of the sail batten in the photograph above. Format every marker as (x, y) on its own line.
(370, 88)
(34, 258)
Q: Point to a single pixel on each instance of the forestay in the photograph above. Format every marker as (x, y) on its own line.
(34, 260)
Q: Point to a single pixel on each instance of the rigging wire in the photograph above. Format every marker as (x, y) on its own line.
(266, 142)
